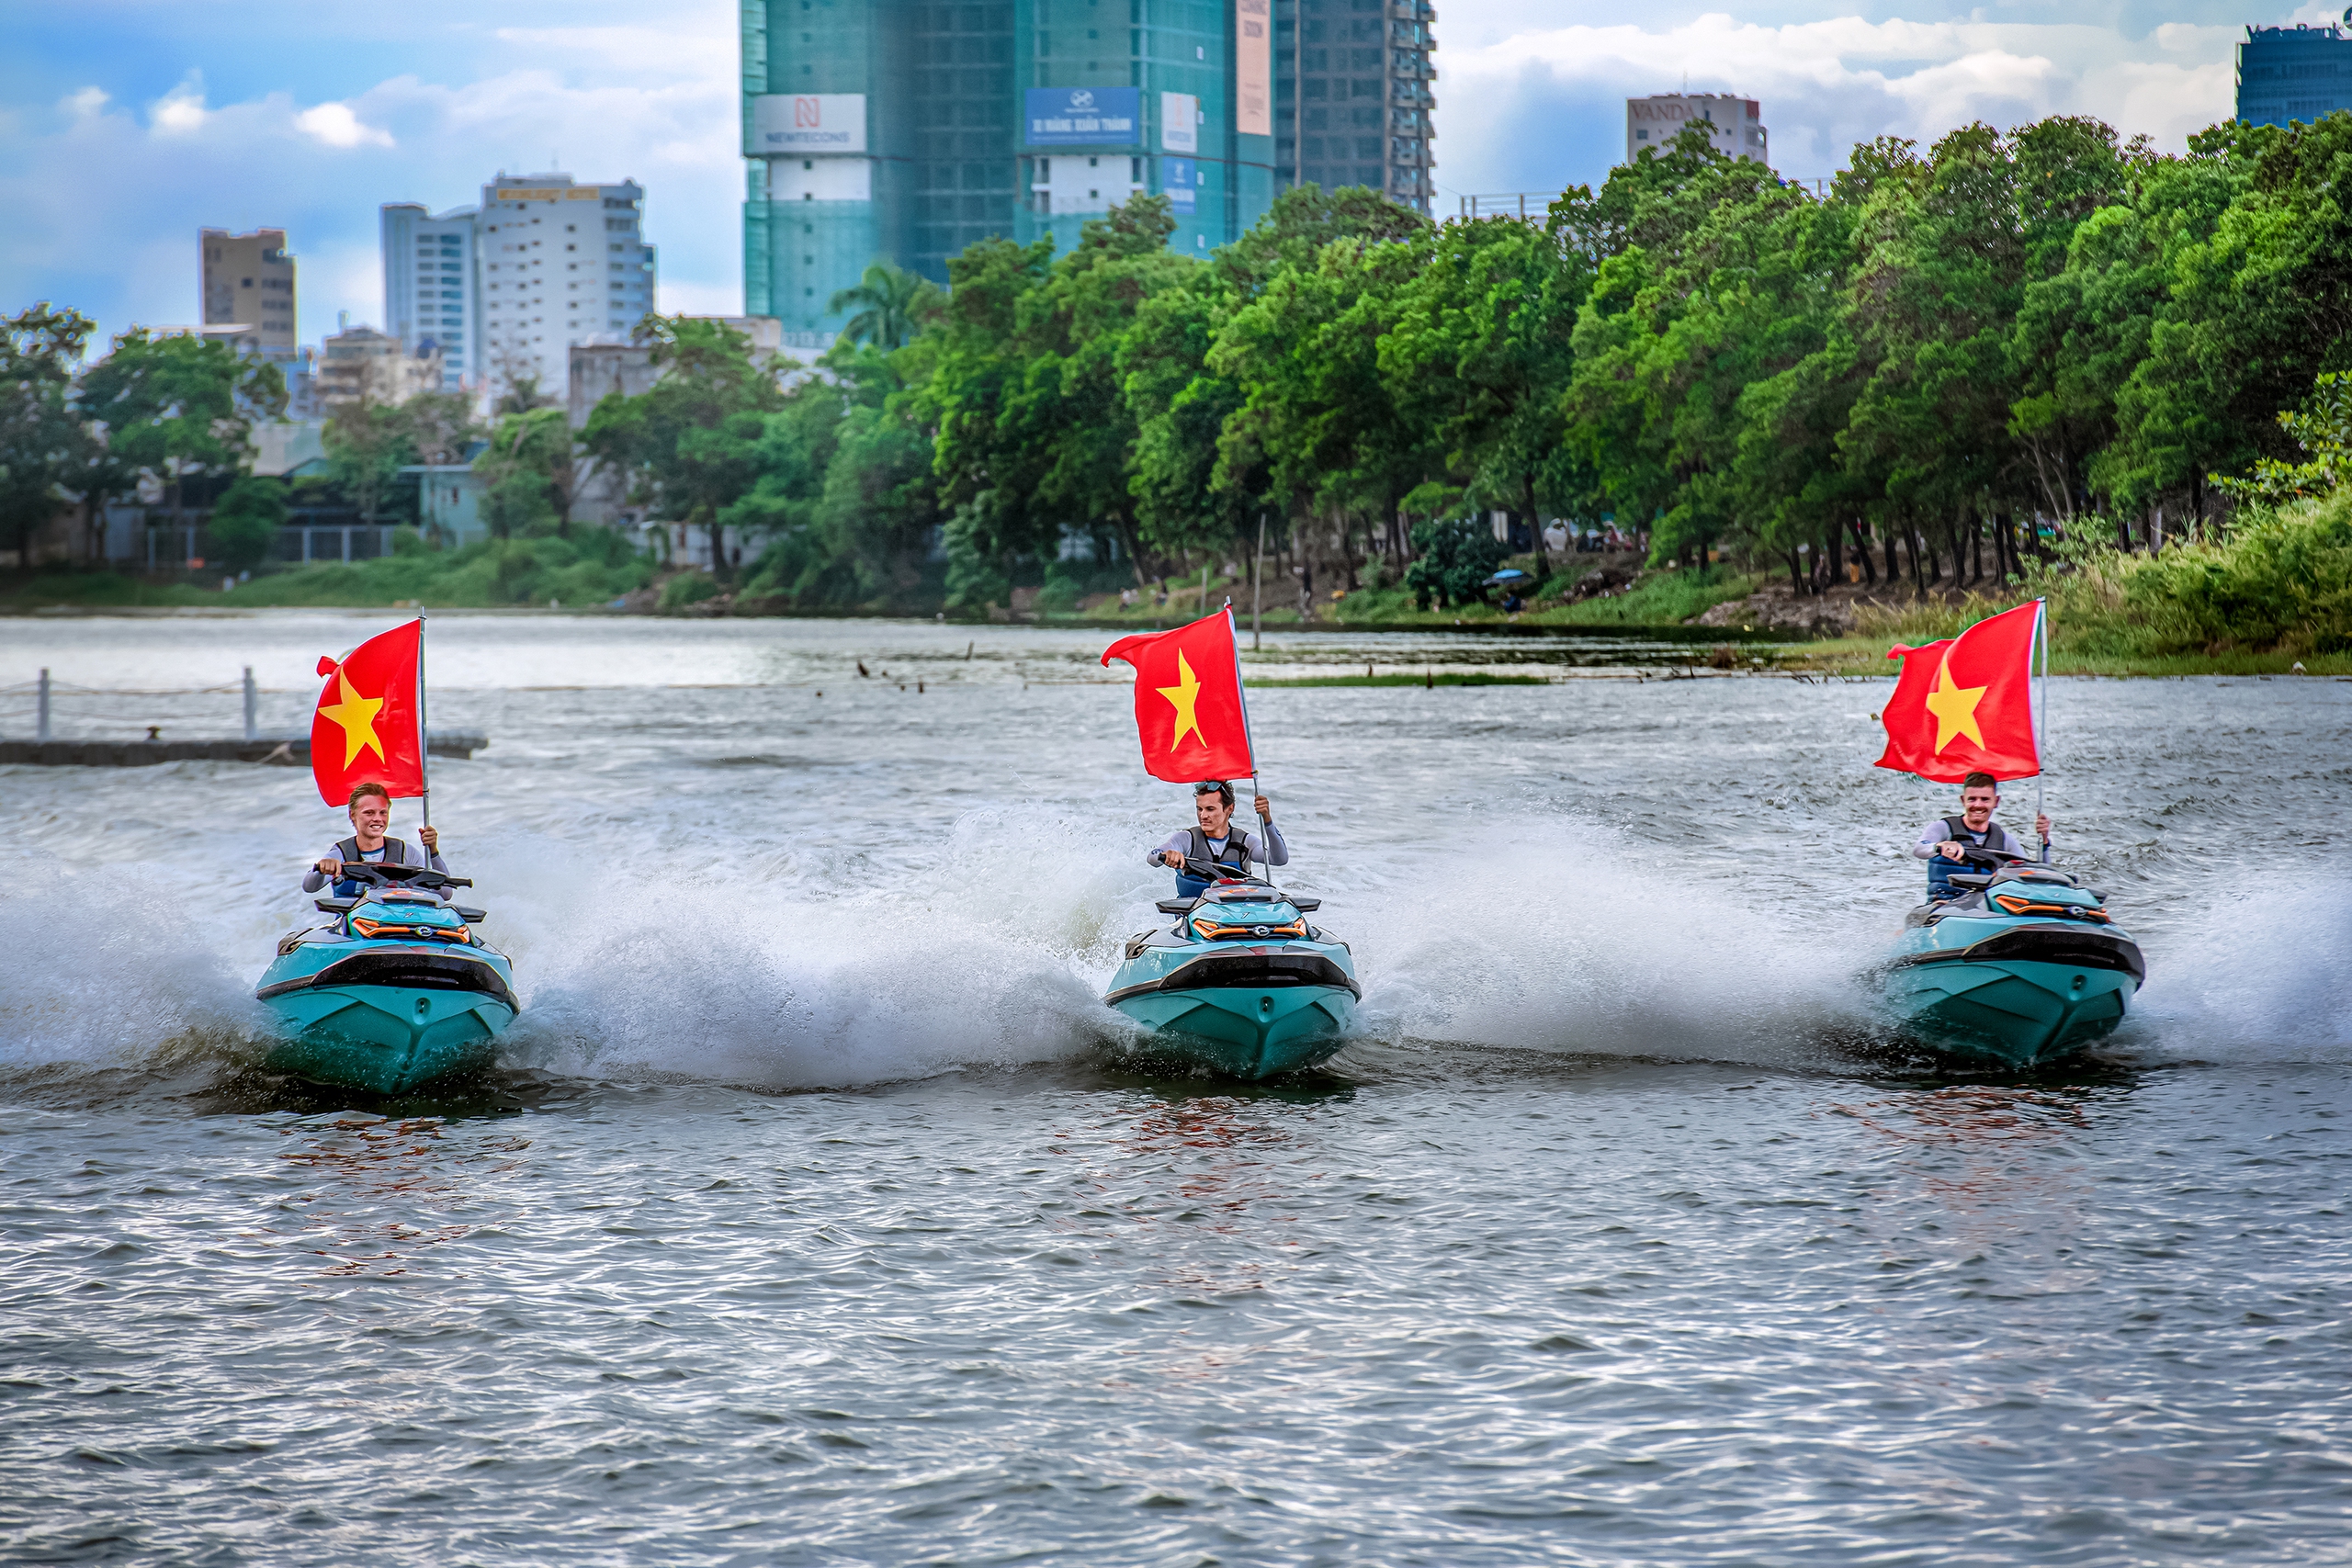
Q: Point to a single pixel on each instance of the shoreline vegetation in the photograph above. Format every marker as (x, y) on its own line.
(2273, 596)
(2047, 361)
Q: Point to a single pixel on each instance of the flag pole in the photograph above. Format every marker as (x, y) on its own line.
(423, 746)
(1249, 736)
(2041, 767)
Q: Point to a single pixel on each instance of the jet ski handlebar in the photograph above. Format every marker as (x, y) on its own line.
(377, 875)
(1218, 871)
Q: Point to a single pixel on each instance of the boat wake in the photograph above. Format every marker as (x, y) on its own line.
(1580, 941)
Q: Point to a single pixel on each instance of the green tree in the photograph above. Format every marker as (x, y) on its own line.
(246, 521)
(689, 443)
(44, 444)
(179, 408)
(528, 470)
(891, 302)
(1453, 559)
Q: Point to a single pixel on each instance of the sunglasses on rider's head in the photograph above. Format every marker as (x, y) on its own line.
(1209, 786)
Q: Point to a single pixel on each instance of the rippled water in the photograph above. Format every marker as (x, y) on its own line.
(814, 1218)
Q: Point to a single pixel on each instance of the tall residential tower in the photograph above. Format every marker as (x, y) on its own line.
(2294, 73)
(432, 297)
(1352, 96)
(249, 282)
(906, 130)
(502, 291)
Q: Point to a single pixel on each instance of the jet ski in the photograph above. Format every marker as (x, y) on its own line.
(395, 991)
(2024, 967)
(1241, 985)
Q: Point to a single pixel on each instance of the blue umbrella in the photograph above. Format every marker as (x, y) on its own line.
(1507, 577)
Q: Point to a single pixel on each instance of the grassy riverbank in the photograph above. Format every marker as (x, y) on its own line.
(593, 566)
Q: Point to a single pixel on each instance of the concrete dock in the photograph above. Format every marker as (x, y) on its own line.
(282, 751)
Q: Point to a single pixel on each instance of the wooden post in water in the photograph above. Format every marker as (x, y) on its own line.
(42, 729)
(252, 702)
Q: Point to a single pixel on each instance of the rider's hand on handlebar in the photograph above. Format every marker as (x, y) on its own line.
(1172, 858)
(329, 865)
(1950, 849)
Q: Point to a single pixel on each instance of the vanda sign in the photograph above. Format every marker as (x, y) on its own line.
(790, 124)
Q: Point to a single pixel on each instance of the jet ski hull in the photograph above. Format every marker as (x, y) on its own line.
(385, 1017)
(2011, 993)
(1249, 1013)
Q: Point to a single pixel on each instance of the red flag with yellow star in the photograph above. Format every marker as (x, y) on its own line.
(1188, 701)
(1965, 705)
(369, 725)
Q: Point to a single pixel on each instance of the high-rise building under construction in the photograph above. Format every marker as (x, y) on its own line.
(906, 130)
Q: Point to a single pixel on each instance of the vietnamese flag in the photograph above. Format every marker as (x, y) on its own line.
(369, 728)
(1965, 705)
(1188, 701)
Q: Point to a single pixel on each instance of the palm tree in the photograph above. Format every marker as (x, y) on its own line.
(891, 302)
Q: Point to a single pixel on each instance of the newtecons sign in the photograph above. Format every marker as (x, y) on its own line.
(796, 124)
(1253, 68)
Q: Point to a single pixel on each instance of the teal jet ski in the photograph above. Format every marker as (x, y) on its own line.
(397, 989)
(1241, 985)
(2025, 966)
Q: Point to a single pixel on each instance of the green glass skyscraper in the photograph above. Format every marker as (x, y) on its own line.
(906, 130)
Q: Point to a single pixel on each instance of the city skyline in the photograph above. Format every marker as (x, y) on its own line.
(182, 127)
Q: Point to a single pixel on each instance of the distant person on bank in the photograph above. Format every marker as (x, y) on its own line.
(371, 814)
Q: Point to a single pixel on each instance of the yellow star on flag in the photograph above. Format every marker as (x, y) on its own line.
(357, 716)
(1955, 707)
(1183, 694)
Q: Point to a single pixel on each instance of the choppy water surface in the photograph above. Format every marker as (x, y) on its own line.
(815, 1219)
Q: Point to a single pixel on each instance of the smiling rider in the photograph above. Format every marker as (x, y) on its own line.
(1943, 842)
(1217, 841)
(372, 813)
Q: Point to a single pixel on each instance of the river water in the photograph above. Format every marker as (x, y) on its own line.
(814, 1216)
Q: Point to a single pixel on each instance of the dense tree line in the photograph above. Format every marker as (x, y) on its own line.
(1939, 370)
(1948, 361)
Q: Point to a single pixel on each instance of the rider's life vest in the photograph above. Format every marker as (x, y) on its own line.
(1236, 855)
(1940, 870)
(395, 853)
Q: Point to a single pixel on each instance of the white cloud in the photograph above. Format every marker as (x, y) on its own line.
(181, 111)
(109, 199)
(1823, 85)
(335, 126)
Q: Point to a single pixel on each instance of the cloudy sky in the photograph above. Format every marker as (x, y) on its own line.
(126, 125)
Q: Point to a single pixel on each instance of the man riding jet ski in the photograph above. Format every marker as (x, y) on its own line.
(1242, 984)
(397, 988)
(371, 812)
(1944, 842)
(2010, 960)
(1215, 841)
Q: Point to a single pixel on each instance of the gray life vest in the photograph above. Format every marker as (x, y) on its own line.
(395, 853)
(1956, 829)
(1235, 854)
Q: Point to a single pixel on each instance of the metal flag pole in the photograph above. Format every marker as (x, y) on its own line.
(1250, 736)
(2042, 770)
(423, 744)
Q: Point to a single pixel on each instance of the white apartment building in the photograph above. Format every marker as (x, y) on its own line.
(431, 294)
(1734, 125)
(560, 263)
(502, 291)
